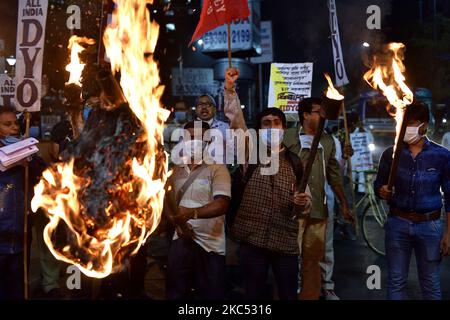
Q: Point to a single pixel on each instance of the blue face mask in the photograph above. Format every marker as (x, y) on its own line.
(9, 140)
(86, 112)
(180, 115)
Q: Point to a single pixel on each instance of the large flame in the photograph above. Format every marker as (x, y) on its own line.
(332, 93)
(75, 67)
(386, 74)
(130, 41)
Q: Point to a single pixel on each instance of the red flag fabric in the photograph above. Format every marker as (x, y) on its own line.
(218, 12)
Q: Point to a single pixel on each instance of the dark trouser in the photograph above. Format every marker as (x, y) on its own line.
(190, 266)
(11, 276)
(402, 236)
(256, 262)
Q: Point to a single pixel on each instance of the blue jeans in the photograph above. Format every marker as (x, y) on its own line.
(191, 266)
(402, 236)
(255, 264)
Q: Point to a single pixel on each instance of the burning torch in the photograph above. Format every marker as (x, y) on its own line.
(331, 107)
(386, 74)
(72, 89)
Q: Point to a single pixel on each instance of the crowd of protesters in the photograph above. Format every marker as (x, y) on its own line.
(278, 229)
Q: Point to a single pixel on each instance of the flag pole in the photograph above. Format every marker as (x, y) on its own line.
(25, 221)
(229, 44)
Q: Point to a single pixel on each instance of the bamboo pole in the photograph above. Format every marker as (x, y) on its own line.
(349, 168)
(25, 223)
(229, 43)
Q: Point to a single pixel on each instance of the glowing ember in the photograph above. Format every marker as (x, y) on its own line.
(386, 74)
(100, 238)
(332, 93)
(75, 67)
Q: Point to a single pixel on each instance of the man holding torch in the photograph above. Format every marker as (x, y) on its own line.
(325, 168)
(415, 207)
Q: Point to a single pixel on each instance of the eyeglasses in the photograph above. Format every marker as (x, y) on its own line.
(207, 105)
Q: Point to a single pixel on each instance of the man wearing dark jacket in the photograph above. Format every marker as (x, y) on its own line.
(12, 212)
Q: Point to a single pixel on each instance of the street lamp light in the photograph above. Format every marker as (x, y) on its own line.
(366, 44)
(11, 61)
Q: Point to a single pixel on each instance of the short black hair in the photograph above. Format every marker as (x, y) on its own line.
(306, 105)
(191, 124)
(7, 110)
(417, 111)
(270, 111)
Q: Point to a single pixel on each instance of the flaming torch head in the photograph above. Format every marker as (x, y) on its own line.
(332, 102)
(386, 75)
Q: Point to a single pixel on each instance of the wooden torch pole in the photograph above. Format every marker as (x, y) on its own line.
(25, 221)
(229, 44)
(349, 168)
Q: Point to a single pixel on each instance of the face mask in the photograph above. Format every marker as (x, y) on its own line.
(9, 140)
(412, 135)
(180, 115)
(86, 112)
(194, 149)
(272, 138)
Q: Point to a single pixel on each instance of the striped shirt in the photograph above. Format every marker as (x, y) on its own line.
(419, 181)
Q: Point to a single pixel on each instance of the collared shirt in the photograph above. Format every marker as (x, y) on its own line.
(224, 148)
(263, 218)
(325, 169)
(419, 180)
(213, 181)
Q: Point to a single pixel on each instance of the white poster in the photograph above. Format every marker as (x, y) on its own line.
(362, 157)
(266, 44)
(339, 68)
(30, 53)
(289, 83)
(7, 89)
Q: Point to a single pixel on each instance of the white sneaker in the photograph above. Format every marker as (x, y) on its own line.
(329, 295)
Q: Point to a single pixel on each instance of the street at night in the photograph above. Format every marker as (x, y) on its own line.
(241, 154)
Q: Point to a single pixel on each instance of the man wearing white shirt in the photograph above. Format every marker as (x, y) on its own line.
(197, 252)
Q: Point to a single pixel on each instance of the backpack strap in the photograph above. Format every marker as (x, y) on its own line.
(192, 176)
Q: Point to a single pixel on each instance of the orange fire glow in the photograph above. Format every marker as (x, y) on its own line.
(332, 93)
(75, 67)
(387, 75)
(130, 41)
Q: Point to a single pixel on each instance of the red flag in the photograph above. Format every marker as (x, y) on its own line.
(218, 12)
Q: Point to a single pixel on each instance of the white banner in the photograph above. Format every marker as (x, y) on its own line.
(289, 83)
(7, 89)
(339, 68)
(30, 53)
(362, 157)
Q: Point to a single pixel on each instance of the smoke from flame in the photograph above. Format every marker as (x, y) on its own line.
(98, 250)
(386, 75)
(75, 67)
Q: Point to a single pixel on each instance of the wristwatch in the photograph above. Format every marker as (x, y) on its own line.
(195, 214)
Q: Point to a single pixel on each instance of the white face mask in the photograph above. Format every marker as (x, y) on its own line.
(272, 137)
(187, 152)
(412, 135)
(194, 149)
